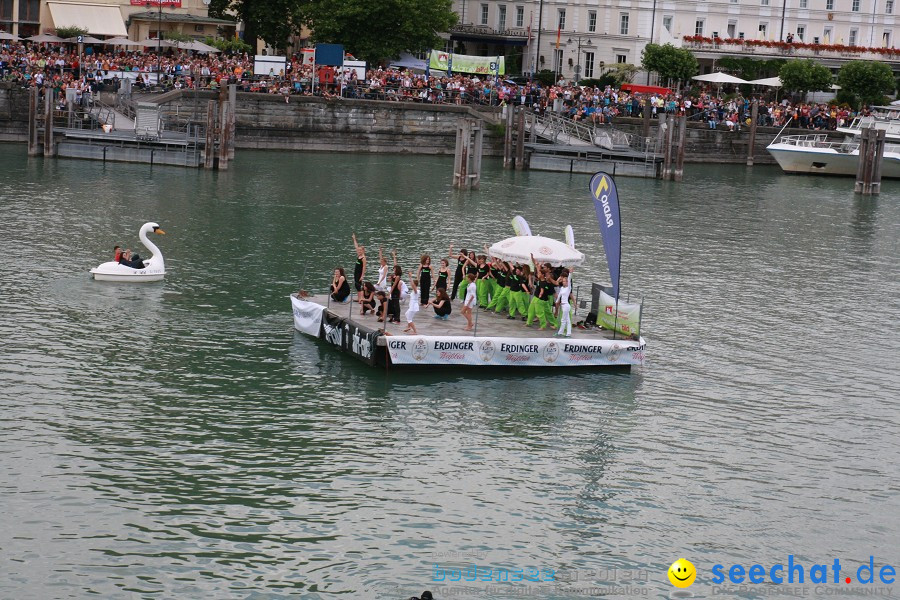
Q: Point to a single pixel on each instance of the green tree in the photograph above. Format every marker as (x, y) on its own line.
(374, 31)
(273, 21)
(70, 32)
(869, 81)
(804, 76)
(669, 62)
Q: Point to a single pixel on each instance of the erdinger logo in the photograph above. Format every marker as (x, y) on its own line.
(551, 352)
(545, 250)
(609, 310)
(420, 349)
(443, 57)
(614, 353)
(486, 350)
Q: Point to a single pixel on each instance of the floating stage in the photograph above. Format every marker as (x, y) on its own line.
(495, 342)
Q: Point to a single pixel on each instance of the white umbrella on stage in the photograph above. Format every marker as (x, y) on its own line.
(546, 250)
(120, 41)
(769, 82)
(9, 36)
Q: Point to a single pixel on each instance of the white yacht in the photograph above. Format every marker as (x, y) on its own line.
(815, 153)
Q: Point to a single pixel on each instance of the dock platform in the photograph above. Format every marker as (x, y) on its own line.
(495, 341)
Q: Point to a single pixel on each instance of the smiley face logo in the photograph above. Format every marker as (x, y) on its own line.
(682, 573)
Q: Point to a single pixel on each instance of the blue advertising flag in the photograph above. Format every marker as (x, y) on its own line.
(606, 203)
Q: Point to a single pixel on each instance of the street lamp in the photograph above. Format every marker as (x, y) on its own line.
(579, 39)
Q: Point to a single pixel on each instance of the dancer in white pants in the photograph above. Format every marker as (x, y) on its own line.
(414, 299)
(562, 302)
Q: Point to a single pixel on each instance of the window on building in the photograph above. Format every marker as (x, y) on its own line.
(732, 27)
(829, 4)
(30, 10)
(501, 17)
(855, 6)
(520, 16)
(763, 2)
(588, 65)
(6, 12)
(698, 26)
(592, 21)
(804, 3)
(763, 30)
(886, 39)
(484, 14)
(561, 21)
(801, 32)
(558, 60)
(889, 7)
(621, 59)
(735, 1)
(826, 35)
(740, 35)
(815, 39)
(623, 24)
(667, 23)
(854, 33)
(448, 46)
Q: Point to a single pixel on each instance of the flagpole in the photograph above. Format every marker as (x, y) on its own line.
(537, 49)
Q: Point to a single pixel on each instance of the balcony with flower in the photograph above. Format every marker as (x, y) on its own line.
(779, 48)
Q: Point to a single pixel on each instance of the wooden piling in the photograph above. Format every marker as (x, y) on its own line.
(33, 148)
(871, 153)
(48, 120)
(679, 152)
(508, 152)
(477, 151)
(461, 157)
(751, 147)
(672, 122)
(232, 118)
(210, 148)
(223, 135)
(648, 113)
(520, 140)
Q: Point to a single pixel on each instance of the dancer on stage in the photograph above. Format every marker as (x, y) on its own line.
(382, 283)
(443, 276)
(340, 289)
(424, 275)
(460, 263)
(469, 302)
(441, 304)
(359, 269)
(414, 301)
(562, 302)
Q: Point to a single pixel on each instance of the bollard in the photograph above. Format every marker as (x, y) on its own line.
(751, 147)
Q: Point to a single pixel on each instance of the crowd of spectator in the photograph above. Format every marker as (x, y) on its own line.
(62, 68)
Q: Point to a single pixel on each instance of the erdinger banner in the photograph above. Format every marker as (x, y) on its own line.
(307, 316)
(606, 204)
(498, 351)
(628, 320)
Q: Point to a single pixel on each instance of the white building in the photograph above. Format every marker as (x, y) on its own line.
(597, 32)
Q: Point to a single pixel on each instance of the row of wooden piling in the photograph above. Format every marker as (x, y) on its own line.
(44, 115)
(220, 119)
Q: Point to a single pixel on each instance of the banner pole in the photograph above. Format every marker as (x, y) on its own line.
(475, 329)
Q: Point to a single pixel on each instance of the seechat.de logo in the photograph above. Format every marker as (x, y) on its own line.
(682, 573)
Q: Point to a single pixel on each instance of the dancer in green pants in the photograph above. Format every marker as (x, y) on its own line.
(482, 285)
(539, 305)
(500, 294)
(519, 294)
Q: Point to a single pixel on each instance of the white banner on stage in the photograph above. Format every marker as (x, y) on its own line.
(307, 316)
(501, 351)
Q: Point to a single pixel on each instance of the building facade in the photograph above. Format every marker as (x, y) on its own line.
(581, 37)
(137, 19)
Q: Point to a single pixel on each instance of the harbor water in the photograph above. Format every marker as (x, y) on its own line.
(179, 439)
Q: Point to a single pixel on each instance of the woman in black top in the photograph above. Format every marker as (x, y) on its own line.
(443, 275)
(394, 305)
(441, 304)
(458, 276)
(425, 278)
(340, 289)
(359, 269)
(368, 298)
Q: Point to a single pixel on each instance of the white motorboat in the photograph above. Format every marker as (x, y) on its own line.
(816, 153)
(154, 267)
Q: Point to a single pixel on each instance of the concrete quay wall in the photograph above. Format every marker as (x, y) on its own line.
(13, 113)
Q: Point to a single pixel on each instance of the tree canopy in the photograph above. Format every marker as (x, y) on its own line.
(805, 76)
(70, 32)
(868, 81)
(669, 62)
(373, 31)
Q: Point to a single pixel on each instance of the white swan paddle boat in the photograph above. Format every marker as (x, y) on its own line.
(154, 267)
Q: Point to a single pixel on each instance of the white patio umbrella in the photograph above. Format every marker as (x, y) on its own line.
(120, 41)
(156, 42)
(85, 40)
(199, 47)
(9, 36)
(719, 78)
(521, 247)
(44, 37)
(769, 82)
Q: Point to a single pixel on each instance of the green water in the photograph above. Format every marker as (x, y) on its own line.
(181, 440)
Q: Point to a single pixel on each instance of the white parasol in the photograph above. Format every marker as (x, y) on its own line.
(768, 82)
(521, 247)
(9, 36)
(120, 41)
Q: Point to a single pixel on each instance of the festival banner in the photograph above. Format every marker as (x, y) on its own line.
(362, 342)
(606, 204)
(626, 321)
(466, 63)
(335, 330)
(307, 316)
(524, 352)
